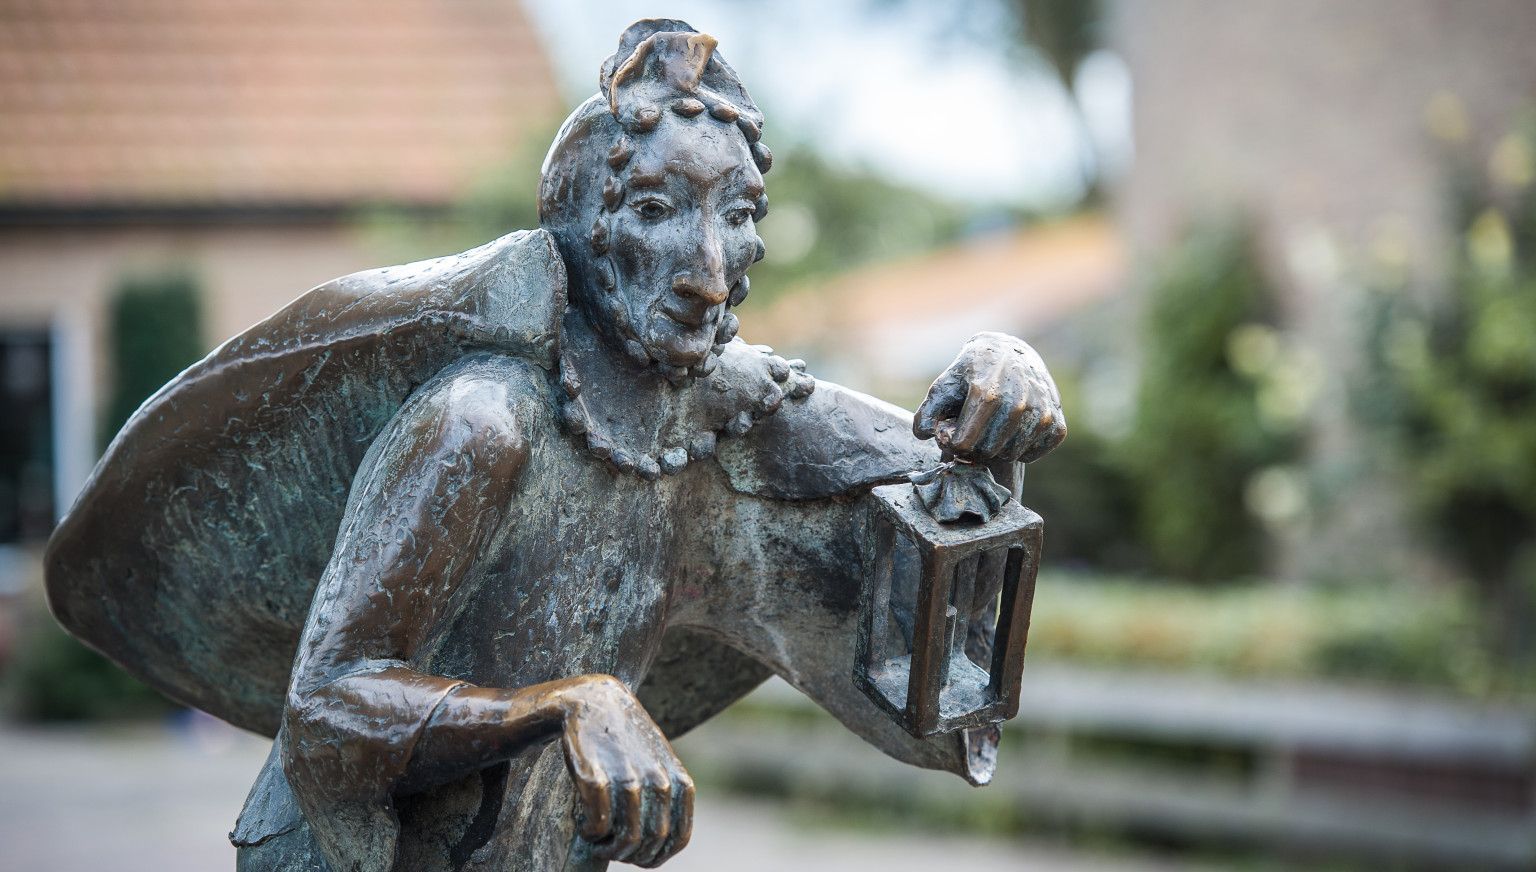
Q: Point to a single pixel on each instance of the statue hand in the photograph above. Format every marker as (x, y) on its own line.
(995, 401)
(637, 801)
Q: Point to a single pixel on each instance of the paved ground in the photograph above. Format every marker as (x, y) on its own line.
(150, 799)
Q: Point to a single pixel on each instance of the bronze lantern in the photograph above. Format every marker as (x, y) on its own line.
(921, 580)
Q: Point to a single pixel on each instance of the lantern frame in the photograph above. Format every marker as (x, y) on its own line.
(936, 688)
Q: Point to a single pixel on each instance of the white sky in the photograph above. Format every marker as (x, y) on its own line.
(883, 84)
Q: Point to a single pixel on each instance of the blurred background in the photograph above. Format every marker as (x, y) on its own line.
(1281, 257)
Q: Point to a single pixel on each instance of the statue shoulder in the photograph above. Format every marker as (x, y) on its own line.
(508, 295)
(479, 409)
(832, 442)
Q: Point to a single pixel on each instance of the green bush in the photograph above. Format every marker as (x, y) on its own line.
(1355, 632)
(1201, 432)
(1452, 388)
(156, 332)
(1087, 498)
(55, 678)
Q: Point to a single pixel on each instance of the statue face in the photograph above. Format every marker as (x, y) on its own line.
(683, 235)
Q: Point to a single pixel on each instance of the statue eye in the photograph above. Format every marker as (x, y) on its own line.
(738, 216)
(652, 209)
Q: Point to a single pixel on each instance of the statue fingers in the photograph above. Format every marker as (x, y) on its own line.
(983, 401)
(593, 786)
(1014, 415)
(657, 817)
(596, 806)
(945, 399)
(682, 817)
(628, 825)
(1047, 433)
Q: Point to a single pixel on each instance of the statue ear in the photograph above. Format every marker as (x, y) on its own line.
(662, 62)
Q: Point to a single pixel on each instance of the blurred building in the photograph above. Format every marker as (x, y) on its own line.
(1330, 127)
(891, 328)
(239, 141)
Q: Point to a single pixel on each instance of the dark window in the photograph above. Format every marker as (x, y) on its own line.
(26, 436)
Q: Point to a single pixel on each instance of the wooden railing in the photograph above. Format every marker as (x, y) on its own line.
(1314, 770)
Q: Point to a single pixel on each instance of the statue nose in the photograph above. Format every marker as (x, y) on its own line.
(709, 290)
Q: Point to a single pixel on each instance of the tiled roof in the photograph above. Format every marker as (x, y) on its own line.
(241, 102)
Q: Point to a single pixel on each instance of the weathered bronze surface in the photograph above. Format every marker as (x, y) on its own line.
(472, 537)
(924, 678)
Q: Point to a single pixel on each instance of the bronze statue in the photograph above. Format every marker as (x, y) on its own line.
(472, 537)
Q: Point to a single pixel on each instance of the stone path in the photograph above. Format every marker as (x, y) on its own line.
(152, 799)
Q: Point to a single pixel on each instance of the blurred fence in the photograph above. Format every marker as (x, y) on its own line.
(1302, 770)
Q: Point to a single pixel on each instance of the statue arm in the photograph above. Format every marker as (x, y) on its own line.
(362, 723)
(358, 717)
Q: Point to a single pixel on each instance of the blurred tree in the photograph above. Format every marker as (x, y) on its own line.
(1453, 387)
(1056, 34)
(156, 332)
(1200, 433)
(1064, 32)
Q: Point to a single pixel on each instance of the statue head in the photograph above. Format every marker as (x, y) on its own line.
(652, 190)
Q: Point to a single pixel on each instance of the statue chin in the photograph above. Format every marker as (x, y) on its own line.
(677, 345)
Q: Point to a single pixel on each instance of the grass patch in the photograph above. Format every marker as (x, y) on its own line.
(1397, 635)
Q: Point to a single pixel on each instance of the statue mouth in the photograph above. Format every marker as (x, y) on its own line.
(687, 317)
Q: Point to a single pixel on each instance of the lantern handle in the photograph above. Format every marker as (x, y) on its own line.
(957, 491)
